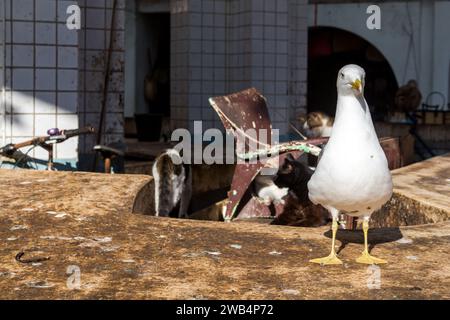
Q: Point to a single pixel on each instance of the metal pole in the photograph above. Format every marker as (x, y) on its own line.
(107, 165)
(4, 77)
(106, 83)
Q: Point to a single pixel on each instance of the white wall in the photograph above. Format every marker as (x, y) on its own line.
(427, 23)
(441, 48)
(55, 76)
(41, 73)
(224, 46)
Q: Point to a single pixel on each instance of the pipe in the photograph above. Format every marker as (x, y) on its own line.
(4, 76)
(106, 82)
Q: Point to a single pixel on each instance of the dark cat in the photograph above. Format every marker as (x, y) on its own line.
(298, 210)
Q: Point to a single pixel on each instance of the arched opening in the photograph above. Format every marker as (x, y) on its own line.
(329, 49)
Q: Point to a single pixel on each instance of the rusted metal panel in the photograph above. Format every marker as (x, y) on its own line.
(240, 112)
(391, 149)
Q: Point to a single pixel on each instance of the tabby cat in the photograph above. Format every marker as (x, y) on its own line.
(173, 184)
(317, 124)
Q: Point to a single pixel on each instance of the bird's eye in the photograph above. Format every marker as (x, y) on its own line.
(342, 75)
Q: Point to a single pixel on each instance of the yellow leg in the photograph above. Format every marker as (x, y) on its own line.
(365, 256)
(332, 258)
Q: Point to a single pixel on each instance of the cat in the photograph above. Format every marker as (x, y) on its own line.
(298, 209)
(268, 191)
(173, 184)
(317, 124)
(295, 175)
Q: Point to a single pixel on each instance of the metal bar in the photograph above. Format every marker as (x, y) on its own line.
(106, 82)
(297, 131)
(4, 77)
(50, 158)
(107, 165)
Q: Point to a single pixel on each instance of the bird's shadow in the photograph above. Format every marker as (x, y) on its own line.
(375, 236)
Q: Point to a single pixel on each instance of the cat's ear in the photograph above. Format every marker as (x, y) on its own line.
(290, 158)
(287, 166)
(302, 118)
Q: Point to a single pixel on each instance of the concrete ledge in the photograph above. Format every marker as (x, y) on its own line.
(77, 192)
(421, 194)
(85, 220)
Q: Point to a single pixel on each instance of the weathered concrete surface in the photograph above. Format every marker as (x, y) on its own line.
(84, 220)
(421, 194)
(84, 193)
(426, 181)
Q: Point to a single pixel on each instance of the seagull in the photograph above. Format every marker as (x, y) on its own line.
(352, 175)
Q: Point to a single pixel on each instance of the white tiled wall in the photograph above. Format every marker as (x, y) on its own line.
(223, 46)
(93, 47)
(38, 67)
(298, 47)
(54, 76)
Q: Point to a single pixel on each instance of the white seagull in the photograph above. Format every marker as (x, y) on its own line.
(352, 175)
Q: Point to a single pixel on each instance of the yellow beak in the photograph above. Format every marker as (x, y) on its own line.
(357, 85)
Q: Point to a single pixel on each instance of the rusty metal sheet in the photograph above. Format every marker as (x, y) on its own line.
(391, 148)
(242, 111)
(243, 177)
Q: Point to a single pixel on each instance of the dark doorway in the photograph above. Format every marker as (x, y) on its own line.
(156, 49)
(329, 49)
(151, 76)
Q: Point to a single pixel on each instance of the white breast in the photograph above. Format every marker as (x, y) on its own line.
(353, 173)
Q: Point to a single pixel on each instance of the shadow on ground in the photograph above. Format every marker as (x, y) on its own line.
(376, 236)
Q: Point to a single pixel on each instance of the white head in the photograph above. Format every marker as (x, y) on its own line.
(351, 80)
